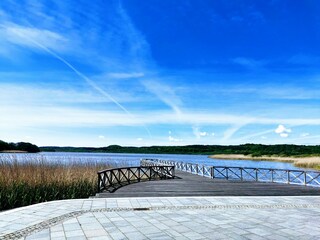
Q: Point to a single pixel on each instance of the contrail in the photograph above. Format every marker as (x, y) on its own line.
(81, 75)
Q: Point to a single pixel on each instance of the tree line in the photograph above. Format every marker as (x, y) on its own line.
(20, 146)
(246, 149)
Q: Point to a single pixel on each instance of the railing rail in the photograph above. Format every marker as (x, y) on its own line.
(300, 177)
(111, 179)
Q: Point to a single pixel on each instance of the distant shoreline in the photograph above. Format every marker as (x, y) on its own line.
(305, 162)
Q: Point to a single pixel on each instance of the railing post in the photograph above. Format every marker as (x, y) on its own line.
(139, 176)
(288, 176)
(202, 170)
(305, 178)
(256, 174)
(98, 183)
(197, 167)
(272, 175)
(227, 173)
(241, 174)
(212, 172)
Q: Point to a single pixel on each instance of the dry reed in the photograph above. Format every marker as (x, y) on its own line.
(304, 162)
(38, 180)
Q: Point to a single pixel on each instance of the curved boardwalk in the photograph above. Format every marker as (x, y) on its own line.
(187, 184)
(188, 207)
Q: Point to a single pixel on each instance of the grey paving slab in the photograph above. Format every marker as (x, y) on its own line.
(286, 217)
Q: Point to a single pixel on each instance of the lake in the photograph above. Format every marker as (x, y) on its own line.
(123, 159)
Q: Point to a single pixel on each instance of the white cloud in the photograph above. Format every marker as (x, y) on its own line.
(172, 139)
(284, 135)
(282, 131)
(139, 139)
(203, 134)
(213, 134)
(196, 132)
(199, 134)
(101, 137)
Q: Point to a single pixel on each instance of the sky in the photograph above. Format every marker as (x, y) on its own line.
(159, 72)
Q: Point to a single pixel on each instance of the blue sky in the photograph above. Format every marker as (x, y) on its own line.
(159, 72)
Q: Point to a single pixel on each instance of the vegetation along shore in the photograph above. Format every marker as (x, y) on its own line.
(38, 180)
(20, 147)
(305, 162)
(253, 149)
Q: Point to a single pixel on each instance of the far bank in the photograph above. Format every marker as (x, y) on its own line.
(305, 162)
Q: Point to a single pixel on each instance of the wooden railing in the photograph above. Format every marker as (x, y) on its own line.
(111, 179)
(300, 177)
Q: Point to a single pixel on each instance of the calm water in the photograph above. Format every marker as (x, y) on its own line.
(122, 160)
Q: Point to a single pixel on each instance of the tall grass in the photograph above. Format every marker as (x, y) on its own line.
(302, 162)
(38, 180)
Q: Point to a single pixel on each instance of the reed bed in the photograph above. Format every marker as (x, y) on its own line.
(39, 180)
(312, 162)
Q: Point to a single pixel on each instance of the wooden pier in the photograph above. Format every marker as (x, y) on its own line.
(187, 184)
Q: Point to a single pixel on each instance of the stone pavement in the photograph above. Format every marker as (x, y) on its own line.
(289, 217)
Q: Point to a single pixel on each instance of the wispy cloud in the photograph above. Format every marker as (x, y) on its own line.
(124, 75)
(255, 135)
(12, 94)
(231, 131)
(304, 134)
(303, 59)
(165, 93)
(67, 116)
(93, 66)
(21, 35)
(63, 29)
(249, 63)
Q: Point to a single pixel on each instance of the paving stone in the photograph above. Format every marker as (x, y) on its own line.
(167, 218)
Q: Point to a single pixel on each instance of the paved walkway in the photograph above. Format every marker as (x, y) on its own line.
(167, 218)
